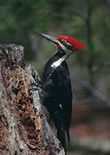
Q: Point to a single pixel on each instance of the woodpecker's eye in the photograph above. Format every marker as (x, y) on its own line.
(66, 44)
(69, 46)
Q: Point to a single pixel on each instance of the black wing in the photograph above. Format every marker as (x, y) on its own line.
(59, 92)
(64, 93)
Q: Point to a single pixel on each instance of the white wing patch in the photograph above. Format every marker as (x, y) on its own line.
(60, 106)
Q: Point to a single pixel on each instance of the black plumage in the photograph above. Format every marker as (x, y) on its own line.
(58, 95)
(57, 85)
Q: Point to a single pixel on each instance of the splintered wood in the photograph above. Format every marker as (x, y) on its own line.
(3, 137)
(19, 93)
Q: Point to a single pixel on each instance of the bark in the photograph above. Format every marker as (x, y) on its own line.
(23, 126)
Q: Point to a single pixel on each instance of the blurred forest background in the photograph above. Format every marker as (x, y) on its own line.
(85, 20)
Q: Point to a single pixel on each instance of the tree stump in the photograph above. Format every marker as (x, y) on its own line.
(23, 126)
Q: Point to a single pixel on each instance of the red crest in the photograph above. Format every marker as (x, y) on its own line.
(75, 43)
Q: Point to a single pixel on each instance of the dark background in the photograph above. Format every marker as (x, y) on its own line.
(85, 20)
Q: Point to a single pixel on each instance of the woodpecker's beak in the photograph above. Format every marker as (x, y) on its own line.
(50, 38)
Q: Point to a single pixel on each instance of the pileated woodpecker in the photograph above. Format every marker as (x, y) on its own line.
(57, 85)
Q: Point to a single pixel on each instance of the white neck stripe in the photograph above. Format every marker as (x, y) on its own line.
(58, 62)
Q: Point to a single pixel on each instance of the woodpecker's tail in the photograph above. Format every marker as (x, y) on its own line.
(61, 132)
(68, 136)
(62, 137)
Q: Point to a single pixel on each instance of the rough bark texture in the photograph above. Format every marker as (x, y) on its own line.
(23, 126)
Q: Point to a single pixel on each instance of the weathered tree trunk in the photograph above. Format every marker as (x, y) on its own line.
(23, 126)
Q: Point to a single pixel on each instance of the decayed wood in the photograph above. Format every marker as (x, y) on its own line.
(23, 126)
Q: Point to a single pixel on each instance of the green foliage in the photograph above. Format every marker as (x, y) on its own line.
(21, 18)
